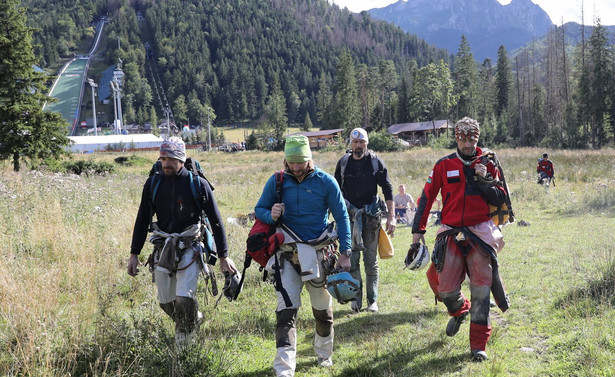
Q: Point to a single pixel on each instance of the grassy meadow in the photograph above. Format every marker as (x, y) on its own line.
(68, 308)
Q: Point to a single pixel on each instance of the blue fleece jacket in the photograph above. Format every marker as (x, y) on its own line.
(306, 205)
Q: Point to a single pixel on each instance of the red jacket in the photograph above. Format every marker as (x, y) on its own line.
(464, 198)
(546, 166)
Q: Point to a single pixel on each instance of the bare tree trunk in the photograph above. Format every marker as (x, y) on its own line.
(520, 126)
(16, 165)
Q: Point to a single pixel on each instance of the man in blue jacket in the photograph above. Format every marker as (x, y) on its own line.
(307, 255)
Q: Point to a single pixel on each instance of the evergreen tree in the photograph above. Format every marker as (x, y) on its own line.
(403, 102)
(466, 81)
(345, 104)
(388, 81)
(487, 93)
(431, 96)
(180, 110)
(276, 120)
(503, 80)
(307, 123)
(601, 84)
(323, 99)
(26, 130)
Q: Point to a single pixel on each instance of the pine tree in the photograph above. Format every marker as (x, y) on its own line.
(307, 123)
(276, 120)
(346, 105)
(601, 79)
(26, 130)
(466, 79)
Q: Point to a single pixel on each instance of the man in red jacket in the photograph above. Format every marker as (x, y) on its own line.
(468, 240)
(545, 169)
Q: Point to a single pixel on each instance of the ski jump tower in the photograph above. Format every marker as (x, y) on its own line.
(116, 86)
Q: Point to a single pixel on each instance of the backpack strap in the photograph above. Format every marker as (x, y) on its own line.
(279, 179)
(499, 211)
(195, 187)
(344, 163)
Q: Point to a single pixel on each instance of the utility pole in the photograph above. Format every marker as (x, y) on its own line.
(94, 85)
(208, 132)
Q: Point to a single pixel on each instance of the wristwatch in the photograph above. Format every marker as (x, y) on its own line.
(347, 253)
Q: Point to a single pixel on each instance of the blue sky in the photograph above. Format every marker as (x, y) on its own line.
(568, 10)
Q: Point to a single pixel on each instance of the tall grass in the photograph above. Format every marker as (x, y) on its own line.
(67, 307)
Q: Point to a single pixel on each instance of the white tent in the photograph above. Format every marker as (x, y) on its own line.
(87, 144)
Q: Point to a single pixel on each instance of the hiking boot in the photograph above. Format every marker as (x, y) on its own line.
(200, 318)
(479, 356)
(373, 308)
(454, 323)
(325, 363)
(354, 305)
(184, 340)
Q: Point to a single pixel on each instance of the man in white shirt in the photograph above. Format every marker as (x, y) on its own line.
(403, 201)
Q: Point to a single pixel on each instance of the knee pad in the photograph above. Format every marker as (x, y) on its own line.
(324, 321)
(453, 300)
(286, 330)
(169, 308)
(185, 314)
(480, 305)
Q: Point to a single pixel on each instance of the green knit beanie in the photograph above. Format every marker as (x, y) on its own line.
(297, 149)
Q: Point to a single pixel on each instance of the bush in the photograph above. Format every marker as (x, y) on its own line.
(89, 167)
(382, 141)
(442, 142)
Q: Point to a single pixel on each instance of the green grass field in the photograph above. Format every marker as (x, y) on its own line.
(68, 308)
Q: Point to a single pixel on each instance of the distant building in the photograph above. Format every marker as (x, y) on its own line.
(420, 132)
(88, 144)
(324, 138)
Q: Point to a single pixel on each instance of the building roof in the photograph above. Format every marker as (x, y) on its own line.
(419, 126)
(93, 143)
(320, 133)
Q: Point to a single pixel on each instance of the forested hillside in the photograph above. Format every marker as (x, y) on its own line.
(276, 62)
(226, 52)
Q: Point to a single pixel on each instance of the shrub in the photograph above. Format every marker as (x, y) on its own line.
(382, 141)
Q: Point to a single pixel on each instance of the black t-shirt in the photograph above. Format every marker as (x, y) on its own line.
(360, 182)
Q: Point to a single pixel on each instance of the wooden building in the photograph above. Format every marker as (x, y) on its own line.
(420, 132)
(324, 138)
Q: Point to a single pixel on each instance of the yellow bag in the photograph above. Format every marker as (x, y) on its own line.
(385, 246)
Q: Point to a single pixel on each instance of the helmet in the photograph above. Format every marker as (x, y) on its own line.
(231, 285)
(342, 286)
(417, 257)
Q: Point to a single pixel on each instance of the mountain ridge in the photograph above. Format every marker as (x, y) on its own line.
(486, 24)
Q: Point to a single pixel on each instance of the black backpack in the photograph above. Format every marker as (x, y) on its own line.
(194, 170)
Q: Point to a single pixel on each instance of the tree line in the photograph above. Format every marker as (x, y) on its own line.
(308, 63)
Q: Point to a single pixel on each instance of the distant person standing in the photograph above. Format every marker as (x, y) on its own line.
(403, 205)
(468, 240)
(545, 169)
(359, 173)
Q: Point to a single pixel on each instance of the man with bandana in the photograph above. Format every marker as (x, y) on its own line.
(359, 174)
(178, 252)
(468, 240)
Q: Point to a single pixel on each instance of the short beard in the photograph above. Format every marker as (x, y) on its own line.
(358, 153)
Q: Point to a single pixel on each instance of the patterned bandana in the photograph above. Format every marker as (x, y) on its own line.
(467, 128)
(173, 147)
